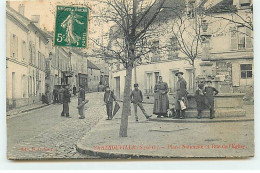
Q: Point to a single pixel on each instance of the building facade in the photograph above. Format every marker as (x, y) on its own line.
(25, 54)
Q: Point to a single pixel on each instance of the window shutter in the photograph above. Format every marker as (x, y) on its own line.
(236, 74)
(233, 37)
(248, 38)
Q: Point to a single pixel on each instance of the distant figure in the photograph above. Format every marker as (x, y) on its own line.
(200, 99)
(109, 97)
(210, 92)
(47, 97)
(61, 90)
(55, 93)
(137, 99)
(66, 100)
(81, 99)
(181, 96)
(161, 100)
(74, 90)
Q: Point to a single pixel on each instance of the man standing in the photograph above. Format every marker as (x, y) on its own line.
(66, 100)
(181, 96)
(74, 90)
(210, 92)
(109, 98)
(137, 99)
(55, 95)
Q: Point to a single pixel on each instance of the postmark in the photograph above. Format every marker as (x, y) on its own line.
(71, 26)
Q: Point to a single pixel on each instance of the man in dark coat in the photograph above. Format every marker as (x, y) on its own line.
(181, 95)
(200, 99)
(210, 92)
(74, 90)
(55, 95)
(66, 100)
(109, 97)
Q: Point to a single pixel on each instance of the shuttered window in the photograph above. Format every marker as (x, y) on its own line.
(249, 40)
(233, 37)
(14, 46)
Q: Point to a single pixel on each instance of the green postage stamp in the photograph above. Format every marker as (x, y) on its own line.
(71, 28)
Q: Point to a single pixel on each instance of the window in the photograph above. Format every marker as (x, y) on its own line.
(173, 47)
(244, 3)
(246, 71)
(31, 52)
(173, 81)
(155, 47)
(39, 42)
(39, 59)
(149, 85)
(23, 50)
(14, 46)
(156, 77)
(241, 38)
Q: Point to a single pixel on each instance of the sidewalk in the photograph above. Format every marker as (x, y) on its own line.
(188, 138)
(26, 108)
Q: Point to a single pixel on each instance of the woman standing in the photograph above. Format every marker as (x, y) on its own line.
(161, 100)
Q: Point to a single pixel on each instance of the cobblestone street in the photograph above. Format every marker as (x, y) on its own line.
(43, 133)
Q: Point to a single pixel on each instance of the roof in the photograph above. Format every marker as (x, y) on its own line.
(91, 65)
(223, 6)
(27, 22)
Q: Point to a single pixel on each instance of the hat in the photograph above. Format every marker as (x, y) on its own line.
(136, 85)
(201, 85)
(176, 74)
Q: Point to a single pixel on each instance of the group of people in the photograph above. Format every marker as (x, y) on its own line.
(204, 97)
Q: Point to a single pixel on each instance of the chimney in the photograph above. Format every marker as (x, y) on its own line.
(21, 9)
(36, 20)
(8, 3)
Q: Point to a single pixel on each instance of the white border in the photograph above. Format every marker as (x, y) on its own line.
(238, 164)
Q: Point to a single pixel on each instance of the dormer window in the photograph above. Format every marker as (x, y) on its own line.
(244, 3)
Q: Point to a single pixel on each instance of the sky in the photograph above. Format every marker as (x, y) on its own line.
(44, 8)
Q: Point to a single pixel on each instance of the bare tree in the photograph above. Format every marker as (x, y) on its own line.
(187, 32)
(130, 20)
(237, 14)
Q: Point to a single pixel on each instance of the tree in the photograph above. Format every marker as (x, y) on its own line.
(186, 29)
(130, 20)
(238, 14)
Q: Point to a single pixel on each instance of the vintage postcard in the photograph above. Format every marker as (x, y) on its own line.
(120, 79)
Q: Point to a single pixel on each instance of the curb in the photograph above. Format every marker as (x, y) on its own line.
(28, 110)
(107, 155)
(199, 121)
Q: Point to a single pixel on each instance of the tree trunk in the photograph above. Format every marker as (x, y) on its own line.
(126, 102)
(194, 78)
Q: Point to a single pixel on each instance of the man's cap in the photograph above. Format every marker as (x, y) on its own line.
(136, 85)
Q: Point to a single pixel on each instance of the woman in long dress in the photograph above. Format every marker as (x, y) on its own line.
(161, 100)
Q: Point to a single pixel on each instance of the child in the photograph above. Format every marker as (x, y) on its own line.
(200, 99)
(137, 99)
(210, 92)
(109, 97)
